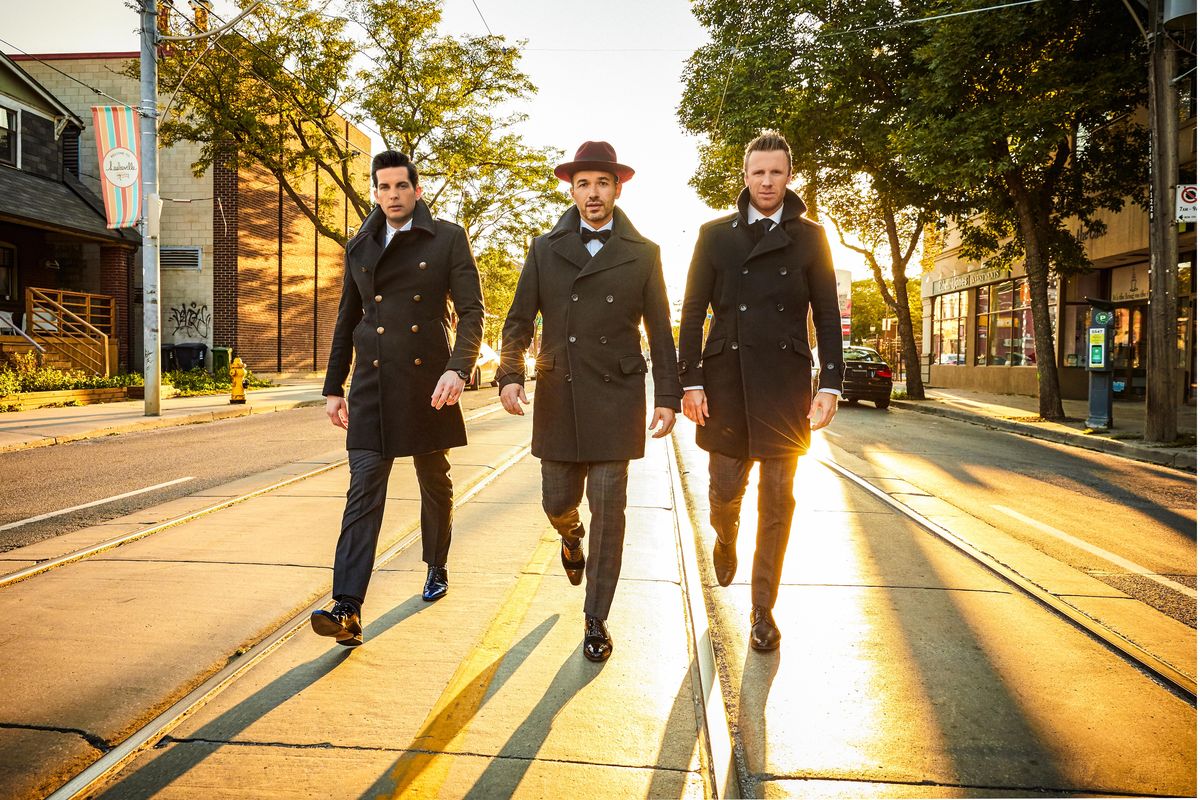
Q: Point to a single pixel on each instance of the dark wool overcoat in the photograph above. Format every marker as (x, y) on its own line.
(590, 403)
(755, 364)
(395, 318)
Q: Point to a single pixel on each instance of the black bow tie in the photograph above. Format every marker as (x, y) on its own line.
(588, 235)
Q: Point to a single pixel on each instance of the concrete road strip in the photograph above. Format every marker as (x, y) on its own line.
(1112, 558)
(82, 506)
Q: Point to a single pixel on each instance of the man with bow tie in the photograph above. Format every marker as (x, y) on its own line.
(401, 269)
(749, 389)
(594, 279)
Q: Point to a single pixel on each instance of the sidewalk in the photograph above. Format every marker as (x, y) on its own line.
(1019, 414)
(20, 430)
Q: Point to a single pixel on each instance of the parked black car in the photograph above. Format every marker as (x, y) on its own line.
(868, 376)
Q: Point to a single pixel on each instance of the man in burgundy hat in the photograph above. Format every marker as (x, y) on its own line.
(594, 279)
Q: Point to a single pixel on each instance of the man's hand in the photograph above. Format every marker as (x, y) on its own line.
(695, 406)
(665, 416)
(824, 407)
(449, 388)
(337, 411)
(511, 397)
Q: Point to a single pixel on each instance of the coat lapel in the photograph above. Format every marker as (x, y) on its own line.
(777, 238)
(621, 247)
(564, 239)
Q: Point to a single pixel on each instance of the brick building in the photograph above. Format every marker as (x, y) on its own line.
(241, 265)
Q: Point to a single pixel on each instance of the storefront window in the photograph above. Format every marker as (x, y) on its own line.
(950, 328)
(1077, 314)
(1004, 325)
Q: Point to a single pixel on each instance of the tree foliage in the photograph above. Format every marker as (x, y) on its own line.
(279, 91)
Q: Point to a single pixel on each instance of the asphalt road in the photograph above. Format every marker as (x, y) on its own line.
(48, 479)
(1038, 491)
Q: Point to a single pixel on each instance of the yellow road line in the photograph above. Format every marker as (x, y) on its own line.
(422, 770)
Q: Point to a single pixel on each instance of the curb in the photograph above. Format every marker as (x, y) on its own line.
(153, 423)
(1185, 462)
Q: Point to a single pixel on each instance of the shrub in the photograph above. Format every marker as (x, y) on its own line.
(198, 381)
(21, 373)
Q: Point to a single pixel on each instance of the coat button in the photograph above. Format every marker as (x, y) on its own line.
(568, 378)
(783, 270)
(603, 340)
(379, 329)
(783, 345)
(607, 378)
(733, 346)
(375, 362)
(362, 269)
(416, 298)
(742, 307)
(378, 298)
(779, 307)
(416, 328)
(608, 299)
(417, 361)
(574, 298)
(745, 270)
(571, 339)
(829, 365)
(422, 265)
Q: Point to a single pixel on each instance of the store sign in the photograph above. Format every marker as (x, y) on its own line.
(967, 280)
(1185, 202)
(1130, 283)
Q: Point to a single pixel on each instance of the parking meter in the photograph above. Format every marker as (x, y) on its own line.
(1099, 364)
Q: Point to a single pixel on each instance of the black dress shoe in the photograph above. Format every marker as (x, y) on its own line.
(724, 562)
(573, 560)
(764, 635)
(341, 622)
(436, 584)
(597, 644)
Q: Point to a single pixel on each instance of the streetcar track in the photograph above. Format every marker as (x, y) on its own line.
(91, 778)
(46, 565)
(1170, 677)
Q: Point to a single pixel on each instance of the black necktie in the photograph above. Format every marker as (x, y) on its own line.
(588, 235)
(759, 229)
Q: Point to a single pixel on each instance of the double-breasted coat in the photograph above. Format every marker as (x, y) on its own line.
(590, 403)
(755, 364)
(395, 318)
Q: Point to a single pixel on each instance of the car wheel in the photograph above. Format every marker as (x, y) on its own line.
(883, 404)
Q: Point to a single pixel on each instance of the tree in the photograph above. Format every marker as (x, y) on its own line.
(838, 98)
(499, 273)
(279, 90)
(1028, 111)
(868, 309)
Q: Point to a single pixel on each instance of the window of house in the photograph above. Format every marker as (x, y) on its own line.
(950, 328)
(8, 136)
(8, 272)
(1004, 325)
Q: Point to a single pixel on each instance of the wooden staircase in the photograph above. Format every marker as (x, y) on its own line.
(73, 328)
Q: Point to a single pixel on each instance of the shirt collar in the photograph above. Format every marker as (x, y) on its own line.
(754, 215)
(605, 227)
(389, 231)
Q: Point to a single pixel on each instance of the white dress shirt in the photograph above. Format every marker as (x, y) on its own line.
(389, 231)
(594, 245)
(752, 217)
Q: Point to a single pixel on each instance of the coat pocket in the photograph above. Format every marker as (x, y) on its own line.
(801, 348)
(712, 347)
(633, 365)
(544, 362)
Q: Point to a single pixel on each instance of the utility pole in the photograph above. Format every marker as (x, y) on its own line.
(1162, 399)
(151, 313)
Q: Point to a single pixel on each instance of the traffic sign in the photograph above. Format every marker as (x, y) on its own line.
(1185, 202)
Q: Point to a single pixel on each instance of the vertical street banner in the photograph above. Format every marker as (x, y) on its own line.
(120, 164)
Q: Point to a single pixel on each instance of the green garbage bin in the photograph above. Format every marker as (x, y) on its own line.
(222, 357)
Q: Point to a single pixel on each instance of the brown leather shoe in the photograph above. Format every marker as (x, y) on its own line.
(724, 562)
(764, 635)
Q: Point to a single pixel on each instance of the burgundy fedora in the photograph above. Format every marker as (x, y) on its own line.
(594, 155)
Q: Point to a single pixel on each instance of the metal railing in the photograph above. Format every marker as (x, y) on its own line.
(76, 325)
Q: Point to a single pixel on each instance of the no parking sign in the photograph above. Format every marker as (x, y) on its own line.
(1185, 202)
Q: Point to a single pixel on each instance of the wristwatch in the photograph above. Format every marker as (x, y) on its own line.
(462, 373)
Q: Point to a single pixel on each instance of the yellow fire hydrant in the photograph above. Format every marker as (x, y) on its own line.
(237, 382)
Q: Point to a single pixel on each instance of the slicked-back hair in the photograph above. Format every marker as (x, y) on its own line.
(393, 158)
(766, 142)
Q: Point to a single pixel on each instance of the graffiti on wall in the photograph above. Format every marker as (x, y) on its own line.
(191, 320)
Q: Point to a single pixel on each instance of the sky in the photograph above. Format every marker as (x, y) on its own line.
(605, 71)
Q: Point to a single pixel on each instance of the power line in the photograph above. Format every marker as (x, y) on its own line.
(69, 76)
(485, 25)
(922, 20)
